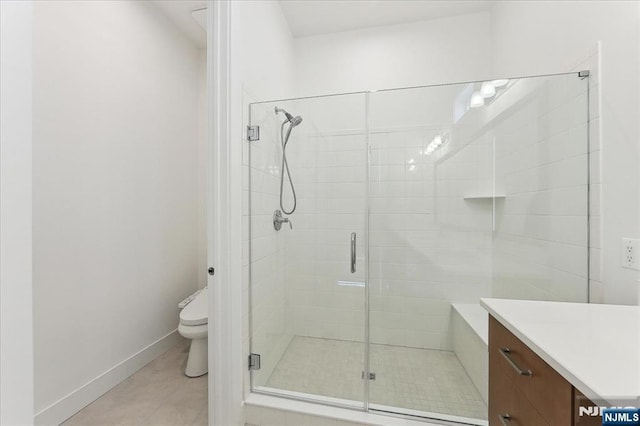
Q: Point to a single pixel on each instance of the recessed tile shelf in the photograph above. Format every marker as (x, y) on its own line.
(484, 196)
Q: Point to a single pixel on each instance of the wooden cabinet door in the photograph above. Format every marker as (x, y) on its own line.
(545, 392)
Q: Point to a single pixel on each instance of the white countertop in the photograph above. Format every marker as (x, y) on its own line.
(594, 347)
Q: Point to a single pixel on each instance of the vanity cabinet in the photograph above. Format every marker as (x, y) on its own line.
(525, 390)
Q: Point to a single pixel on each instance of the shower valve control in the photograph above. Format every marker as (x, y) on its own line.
(278, 220)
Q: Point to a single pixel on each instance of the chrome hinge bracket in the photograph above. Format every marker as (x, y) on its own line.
(372, 376)
(253, 133)
(254, 362)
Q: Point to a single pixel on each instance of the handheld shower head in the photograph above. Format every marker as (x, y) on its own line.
(290, 118)
(294, 120)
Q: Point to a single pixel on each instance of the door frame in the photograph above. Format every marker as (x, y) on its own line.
(224, 232)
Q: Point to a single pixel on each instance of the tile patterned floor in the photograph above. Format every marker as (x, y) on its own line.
(416, 379)
(158, 394)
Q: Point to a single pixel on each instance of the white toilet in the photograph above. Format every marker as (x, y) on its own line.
(194, 320)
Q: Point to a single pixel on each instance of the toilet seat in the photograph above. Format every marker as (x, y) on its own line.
(197, 311)
(193, 331)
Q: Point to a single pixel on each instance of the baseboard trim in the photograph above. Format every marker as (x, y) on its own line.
(75, 401)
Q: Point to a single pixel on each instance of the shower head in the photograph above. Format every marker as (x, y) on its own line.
(294, 121)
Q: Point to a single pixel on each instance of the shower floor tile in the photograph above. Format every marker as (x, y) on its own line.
(415, 379)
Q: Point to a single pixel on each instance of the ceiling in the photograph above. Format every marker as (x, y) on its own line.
(179, 11)
(308, 18)
(313, 17)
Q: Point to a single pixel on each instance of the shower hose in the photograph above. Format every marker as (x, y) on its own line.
(285, 166)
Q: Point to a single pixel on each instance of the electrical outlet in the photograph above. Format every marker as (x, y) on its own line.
(630, 253)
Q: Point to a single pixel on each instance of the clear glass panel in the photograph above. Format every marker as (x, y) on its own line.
(540, 240)
(468, 202)
(307, 307)
(466, 191)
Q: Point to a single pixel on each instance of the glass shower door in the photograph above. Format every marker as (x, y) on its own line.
(476, 190)
(428, 247)
(307, 279)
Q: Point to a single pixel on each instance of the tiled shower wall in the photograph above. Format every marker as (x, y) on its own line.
(327, 157)
(330, 178)
(424, 252)
(428, 248)
(409, 300)
(541, 238)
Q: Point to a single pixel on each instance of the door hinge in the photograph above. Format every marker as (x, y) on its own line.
(583, 74)
(372, 376)
(254, 362)
(253, 133)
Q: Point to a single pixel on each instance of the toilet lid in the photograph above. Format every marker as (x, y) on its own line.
(197, 311)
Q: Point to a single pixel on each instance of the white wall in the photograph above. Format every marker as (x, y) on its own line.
(16, 320)
(531, 38)
(428, 52)
(115, 186)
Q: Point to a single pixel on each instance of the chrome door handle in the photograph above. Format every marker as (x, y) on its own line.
(505, 353)
(505, 419)
(353, 252)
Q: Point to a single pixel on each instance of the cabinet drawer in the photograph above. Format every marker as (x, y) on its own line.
(510, 407)
(547, 391)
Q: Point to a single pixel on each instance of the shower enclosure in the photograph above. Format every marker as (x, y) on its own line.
(412, 204)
